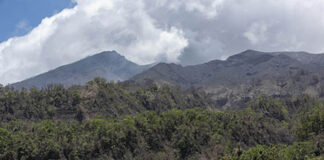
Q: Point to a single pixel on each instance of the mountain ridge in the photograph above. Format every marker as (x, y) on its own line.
(239, 77)
(246, 75)
(109, 65)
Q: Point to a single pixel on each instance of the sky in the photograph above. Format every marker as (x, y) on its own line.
(40, 35)
(18, 17)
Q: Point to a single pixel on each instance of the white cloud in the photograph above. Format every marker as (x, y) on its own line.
(256, 33)
(145, 31)
(91, 26)
(208, 8)
(267, 25)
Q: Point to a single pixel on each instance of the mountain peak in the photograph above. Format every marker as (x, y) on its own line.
(113, 53)
(250, 50)
(108, 54)
(246, 53)
(250, 56)
(108, 64)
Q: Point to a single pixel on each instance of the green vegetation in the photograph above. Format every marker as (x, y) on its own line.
(97, 98)
(124, 121)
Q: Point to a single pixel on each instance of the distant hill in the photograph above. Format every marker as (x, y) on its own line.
(109, 65)
(246, 75)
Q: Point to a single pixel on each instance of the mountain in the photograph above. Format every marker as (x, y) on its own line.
(109, 65)
(304, 57)
(231, 82)
(246, 75)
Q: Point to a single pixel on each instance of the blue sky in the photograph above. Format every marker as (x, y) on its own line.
(17, 17)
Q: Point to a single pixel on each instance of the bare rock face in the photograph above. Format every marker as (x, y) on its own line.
(246, 75)
(108, 65)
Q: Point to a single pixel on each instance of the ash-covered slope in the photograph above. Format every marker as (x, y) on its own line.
(246, 75)
(108, 65)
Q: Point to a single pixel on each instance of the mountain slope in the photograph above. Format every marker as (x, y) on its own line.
(246, 75)
(108, 65)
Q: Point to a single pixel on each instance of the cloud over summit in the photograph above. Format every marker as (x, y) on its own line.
(146, 31)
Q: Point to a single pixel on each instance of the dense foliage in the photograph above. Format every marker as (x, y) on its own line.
(96, 98)
(123, 121)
